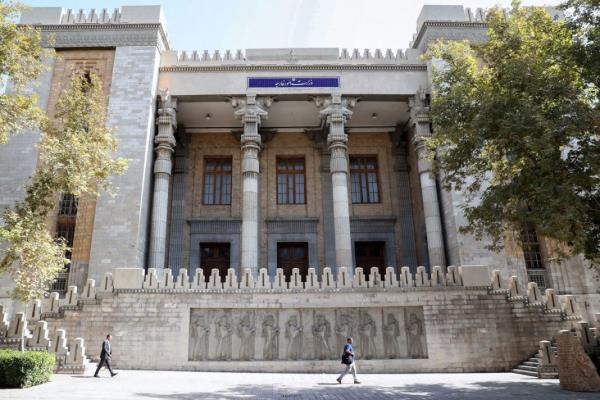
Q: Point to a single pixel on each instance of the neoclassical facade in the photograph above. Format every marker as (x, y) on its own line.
(276, 158)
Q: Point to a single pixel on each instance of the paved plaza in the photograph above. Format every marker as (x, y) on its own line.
(171, 385)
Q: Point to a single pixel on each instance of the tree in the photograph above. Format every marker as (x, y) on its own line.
(21, 62)
(74, 157)
(516, 130)
(583, 16)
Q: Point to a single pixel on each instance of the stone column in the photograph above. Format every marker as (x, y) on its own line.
(163, 164)
(337, 111)
(250, 110)
(420, 120)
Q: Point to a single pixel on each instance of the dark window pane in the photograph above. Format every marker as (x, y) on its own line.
(217, 181)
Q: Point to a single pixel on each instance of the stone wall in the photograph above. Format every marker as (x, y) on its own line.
(429, 325)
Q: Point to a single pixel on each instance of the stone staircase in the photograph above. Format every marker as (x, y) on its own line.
(531, 366)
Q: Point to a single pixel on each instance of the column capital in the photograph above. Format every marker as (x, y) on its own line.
(251, 109)
(335, 109)
(166, 120)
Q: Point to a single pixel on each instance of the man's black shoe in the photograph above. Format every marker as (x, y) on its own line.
(113, 375)
(96, 376)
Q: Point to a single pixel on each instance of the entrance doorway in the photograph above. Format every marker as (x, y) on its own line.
(370, 254)
(293, 255)
(214, 255)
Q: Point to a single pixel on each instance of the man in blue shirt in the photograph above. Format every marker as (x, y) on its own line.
(348, 360)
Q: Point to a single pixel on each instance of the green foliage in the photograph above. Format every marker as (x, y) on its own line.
(21, 62)
(24, 369)
(583, 16)
(516, 130)
(75, 157)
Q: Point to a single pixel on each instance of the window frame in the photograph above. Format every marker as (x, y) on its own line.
(364, 171)
(222, 173)
(293, 173)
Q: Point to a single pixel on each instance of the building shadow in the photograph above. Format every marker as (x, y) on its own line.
(471, 391)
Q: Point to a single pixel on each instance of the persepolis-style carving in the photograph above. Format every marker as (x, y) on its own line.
(250, 110)
(163, 166)
(336, 111)
(306, 334)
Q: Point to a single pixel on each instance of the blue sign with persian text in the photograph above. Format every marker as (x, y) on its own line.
(295, 82)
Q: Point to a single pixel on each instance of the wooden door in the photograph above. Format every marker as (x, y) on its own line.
(214, 255)
(293, 255)
(370, 254)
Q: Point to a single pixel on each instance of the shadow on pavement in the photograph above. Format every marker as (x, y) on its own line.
(475, 391)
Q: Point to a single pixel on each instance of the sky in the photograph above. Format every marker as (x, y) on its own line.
(242, 24)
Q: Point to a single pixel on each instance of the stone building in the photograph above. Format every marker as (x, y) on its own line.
(269, 158)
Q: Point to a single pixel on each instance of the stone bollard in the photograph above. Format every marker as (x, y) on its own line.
(497, 281)
(199, 282)
(452, 276)
(279, 281)
(390, 280)
(151, 279)
(51, 304)
(359, 280)
(296, 279)
(533, 293)
(551, 300)
(107, 283)
(166, 282)
(312, 281)
(514, 287)
(343, 280)
(72, 296)
(406, 278)
(569, 306)
(3, 322)
(421, 278)
(231, 282)
(89, 290)
(39, 338)
(214, 281)
(263, 281)
(374, 278)
(76, 354)
(17, 327)
(183, 283)
(34, 310)
(327, 281)
(437, 276)
(547, 356)
(59, 344)
(247, 281)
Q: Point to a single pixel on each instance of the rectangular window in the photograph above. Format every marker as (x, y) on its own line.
(363, 177)
(217, 181)
(290, 181)
(533, 256)
(68, 205)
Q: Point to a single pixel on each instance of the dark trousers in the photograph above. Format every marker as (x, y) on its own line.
(104, 362)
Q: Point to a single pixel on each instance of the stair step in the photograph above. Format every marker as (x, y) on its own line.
(531, 364)
(524, 372)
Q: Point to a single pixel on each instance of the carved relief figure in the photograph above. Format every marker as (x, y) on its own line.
(321, 335)
(223, 332)
(391, 332)
(270, 334)
(343, 330)
(415, 335)
(200, 333)
(293, 334)
(246, 333)
(367, 331)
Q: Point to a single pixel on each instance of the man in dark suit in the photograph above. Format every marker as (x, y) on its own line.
(105, 358)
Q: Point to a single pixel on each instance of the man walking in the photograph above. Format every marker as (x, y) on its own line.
(348, 360)
(105, 358)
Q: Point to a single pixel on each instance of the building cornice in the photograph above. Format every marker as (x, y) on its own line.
(313, 67)
(446, 24)
(104, 35)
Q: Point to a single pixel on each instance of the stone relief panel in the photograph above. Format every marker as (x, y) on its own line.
(306, 334)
